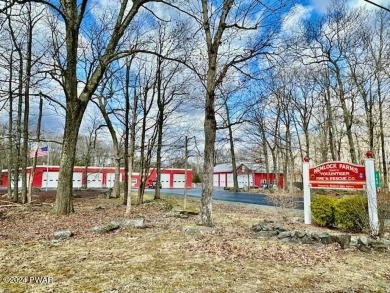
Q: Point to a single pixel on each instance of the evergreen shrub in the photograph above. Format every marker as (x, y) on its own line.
(322, 210)
(351, 213)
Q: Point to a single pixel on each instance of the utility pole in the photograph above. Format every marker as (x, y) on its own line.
(186, 166)
(185, 172)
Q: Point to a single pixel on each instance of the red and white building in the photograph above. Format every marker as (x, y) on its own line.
(248, 174)
(101, 177)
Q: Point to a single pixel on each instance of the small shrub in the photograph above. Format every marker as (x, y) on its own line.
(322, 208)
(166, 206)
(351, 213)
(283, 201)
(196, 178)
(383, 210)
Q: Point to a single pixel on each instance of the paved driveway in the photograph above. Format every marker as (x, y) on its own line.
(220, 194)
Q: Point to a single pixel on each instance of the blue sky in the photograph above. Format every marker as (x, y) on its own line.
(305, 9)
(320, 6)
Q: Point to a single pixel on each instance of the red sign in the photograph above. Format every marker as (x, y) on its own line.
(337, 175)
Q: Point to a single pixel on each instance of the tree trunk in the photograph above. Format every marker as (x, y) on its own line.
(19, 130)
(265, 150)
(27, 82)
(292, 171)
(64, 197)
(10, 161)
(30, 188)
(274, 163)
(210, 128)
(330, 123)
(146, 146)
(84, 184)
(143, 175)
(383, 150)
(347, 116)
(117, 187)
(131, 151)
(160, 124)
(210, 124)
(288, 176)
(381, 101)
(232, 152)
(126, 182)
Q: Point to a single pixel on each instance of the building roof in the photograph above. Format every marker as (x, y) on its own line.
(254, 167)
(220, 168)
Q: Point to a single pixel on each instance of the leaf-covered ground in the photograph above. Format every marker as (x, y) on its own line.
(165, 257)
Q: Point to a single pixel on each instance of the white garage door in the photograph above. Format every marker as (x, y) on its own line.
(222, 180)
(110, 180)
(179, 180)
(49, 179)
(230, 181)
(94, 180)
(216, 180)
(52, 179)
(165, 181)
(243, 180)
(20, 181)
(77, 179)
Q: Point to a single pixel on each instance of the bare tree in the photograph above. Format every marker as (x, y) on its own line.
(86, 143)
(220, 24)
(171, 85)
(328, 43)
(104, 97)
(66, 72)
(375, 38)
(148, 128)
(232, 113)
(132, 134)
(18, 46)
(38, 137)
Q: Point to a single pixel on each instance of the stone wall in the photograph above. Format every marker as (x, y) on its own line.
(269, 229)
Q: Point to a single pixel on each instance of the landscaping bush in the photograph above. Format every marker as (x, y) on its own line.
(196, 178)
(322, 209)
(351, 213)
(383, 210)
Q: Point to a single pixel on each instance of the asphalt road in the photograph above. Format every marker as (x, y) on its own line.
(223, 195)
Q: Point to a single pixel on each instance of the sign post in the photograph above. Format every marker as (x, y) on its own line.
(377, 180)
(306, 190)
(371, 194)
(341, 175)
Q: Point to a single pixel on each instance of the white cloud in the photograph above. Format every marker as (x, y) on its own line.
(292, 21)
(321, 6)
(355, 3)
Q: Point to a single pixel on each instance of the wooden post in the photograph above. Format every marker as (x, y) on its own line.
(306, 190)
(185, 172)
(371, 194)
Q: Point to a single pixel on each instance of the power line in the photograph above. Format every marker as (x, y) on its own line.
(377, 5)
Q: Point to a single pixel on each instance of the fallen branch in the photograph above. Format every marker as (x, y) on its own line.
(11, 204)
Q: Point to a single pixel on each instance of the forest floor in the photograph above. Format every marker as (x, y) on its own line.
(172, 253)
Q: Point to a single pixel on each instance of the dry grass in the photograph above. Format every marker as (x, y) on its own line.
(162, 258)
